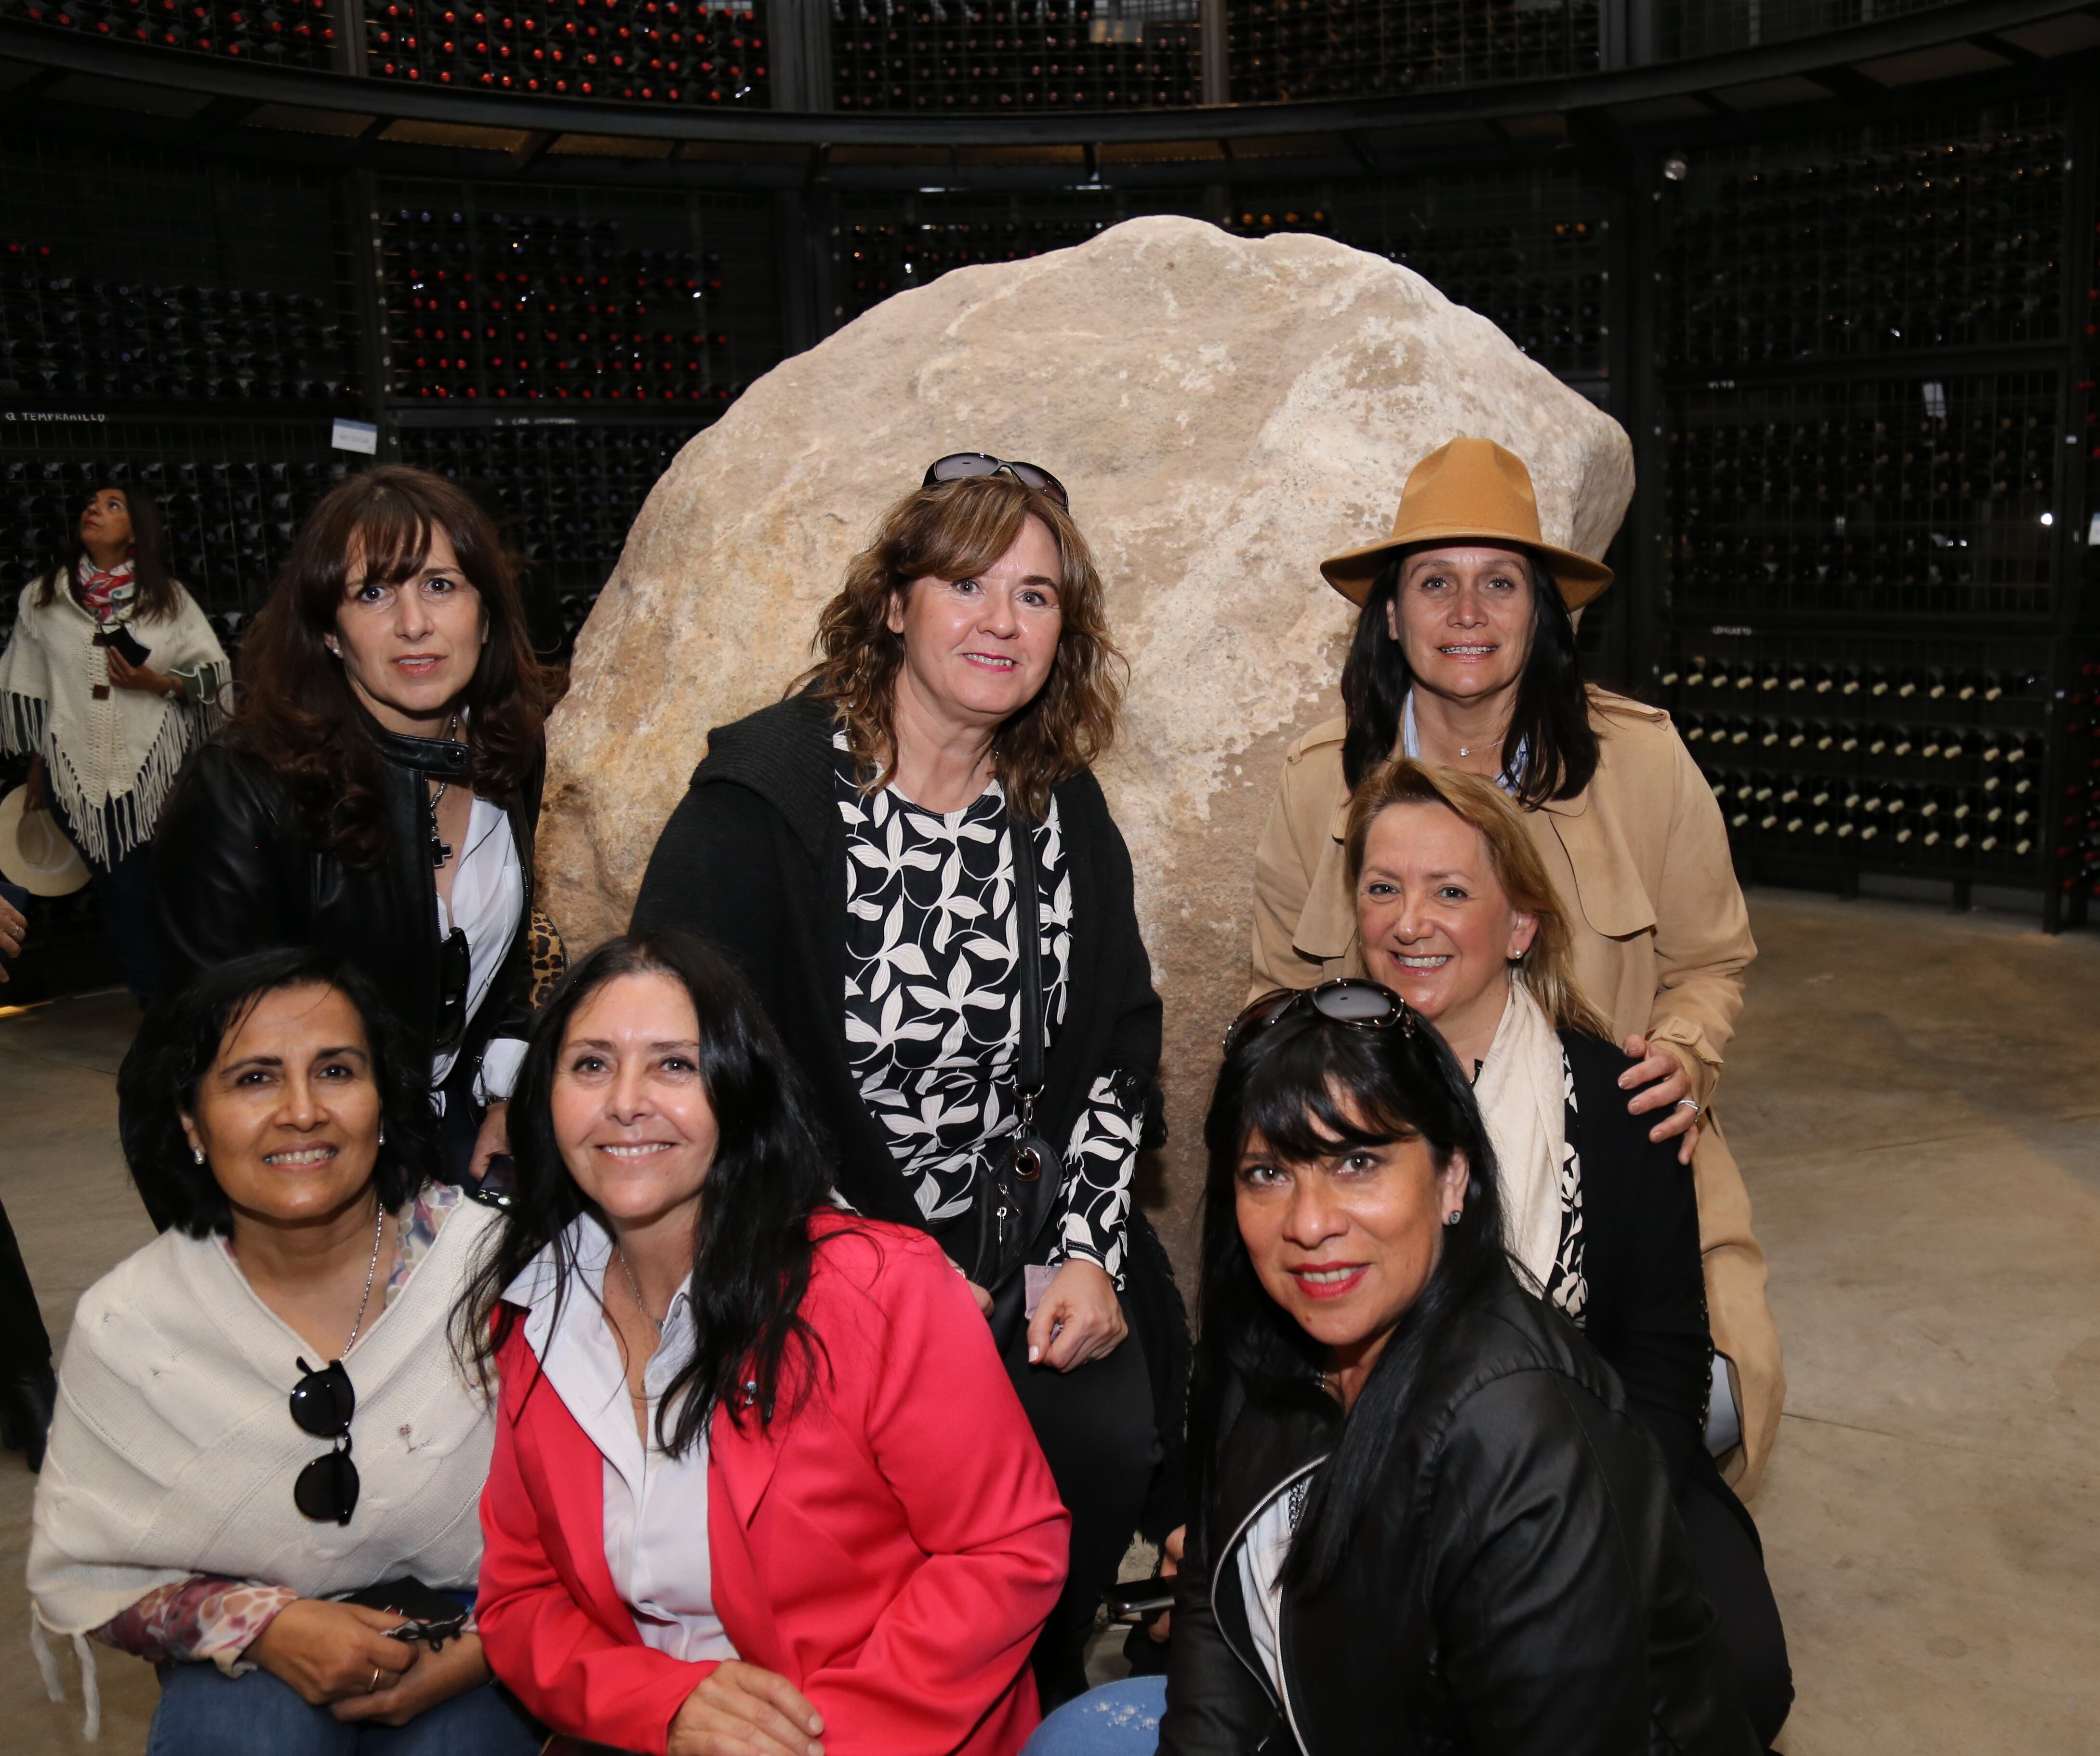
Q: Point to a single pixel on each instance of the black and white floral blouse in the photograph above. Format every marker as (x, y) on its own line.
(933, 1007)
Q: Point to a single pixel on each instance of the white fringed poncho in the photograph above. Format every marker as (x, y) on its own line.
(172, 1450)
(111, 762)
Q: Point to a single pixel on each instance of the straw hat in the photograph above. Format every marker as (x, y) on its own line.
(1469, 491)
(34, 852)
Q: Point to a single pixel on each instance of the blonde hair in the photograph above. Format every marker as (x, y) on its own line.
(953, 531)
(1546, 971)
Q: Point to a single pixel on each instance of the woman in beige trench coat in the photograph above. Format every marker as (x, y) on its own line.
(1464, 656)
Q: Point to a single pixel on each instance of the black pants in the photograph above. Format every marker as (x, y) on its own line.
(25, 1346)
(124, 894)
(1096, 1429)
(1732, 1567)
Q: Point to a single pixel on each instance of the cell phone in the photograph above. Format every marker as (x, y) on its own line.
(135, 651)
(425, 1614)
(1133, 1601)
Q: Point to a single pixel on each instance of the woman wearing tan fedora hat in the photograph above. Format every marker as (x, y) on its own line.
(1464, 657)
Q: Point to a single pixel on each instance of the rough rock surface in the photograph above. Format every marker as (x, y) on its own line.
(1225, 412)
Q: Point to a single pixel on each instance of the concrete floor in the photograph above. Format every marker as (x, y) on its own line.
(1916, 1101)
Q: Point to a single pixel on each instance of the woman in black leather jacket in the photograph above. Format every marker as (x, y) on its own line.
(375, 792)
(1428, 1520)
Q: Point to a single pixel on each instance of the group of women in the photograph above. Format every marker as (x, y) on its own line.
(756, 1347)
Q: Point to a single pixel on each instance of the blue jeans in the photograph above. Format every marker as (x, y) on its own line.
(1116, 1719)
(204, 1713)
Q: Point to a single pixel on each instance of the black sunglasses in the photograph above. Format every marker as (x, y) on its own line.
(969, 465)
(1352, 1000)
(455, 972)
(322, 1403)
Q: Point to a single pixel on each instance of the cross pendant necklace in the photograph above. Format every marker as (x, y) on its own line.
(440, 849)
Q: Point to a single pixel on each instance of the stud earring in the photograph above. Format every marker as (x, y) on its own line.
(1455, 1215)
(197, 1153)
(382, 1134)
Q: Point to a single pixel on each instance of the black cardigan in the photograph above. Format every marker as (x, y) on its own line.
(754, 861)
(1647, 1310)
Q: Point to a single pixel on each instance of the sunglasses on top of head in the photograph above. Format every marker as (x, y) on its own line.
(975, 465)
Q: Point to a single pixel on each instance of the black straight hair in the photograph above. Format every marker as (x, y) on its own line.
(1550, 722)
(1310, 1087)
(752, 1249)
(158, 595)
(180, 1039)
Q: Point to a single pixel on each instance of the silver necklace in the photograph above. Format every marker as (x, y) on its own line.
(634, 1288)
(441, 851)
(378, 1232)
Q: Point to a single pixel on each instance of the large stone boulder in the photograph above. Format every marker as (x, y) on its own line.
(1225, 412)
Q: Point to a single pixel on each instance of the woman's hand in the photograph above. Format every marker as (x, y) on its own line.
(745, 1710)
(1663, 1081)
(983, 1298)
(36, 790)
(1078, 1321)
(14, 928)
(494, 1137)
(142, 677)
(433, 1677)
(1170, 1564)
(327, 1652)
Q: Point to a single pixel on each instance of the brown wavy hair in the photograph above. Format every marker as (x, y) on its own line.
(952, 532)
(294, 705)
(1548, 970)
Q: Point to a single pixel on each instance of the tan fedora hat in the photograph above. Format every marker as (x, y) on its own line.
(34, 852)
(1469, 491)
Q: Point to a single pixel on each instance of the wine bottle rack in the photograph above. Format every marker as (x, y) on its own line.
(564, 492)
(571, 299)
(278, 34)
(1873, 752)
(694, 53)
(1285, 51)
(1685, 28)
(888, 249)
(1890, 242)
(1014, 57)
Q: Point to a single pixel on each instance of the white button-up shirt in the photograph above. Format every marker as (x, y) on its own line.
(488, 895)
(656, 1506)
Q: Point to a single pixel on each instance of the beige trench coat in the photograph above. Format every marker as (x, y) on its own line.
(1640, 860)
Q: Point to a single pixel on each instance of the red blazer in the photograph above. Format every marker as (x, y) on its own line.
(891, 1548)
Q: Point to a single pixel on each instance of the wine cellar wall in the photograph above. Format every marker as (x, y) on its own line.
(1856, 355)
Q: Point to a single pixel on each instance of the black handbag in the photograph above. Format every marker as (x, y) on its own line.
(1015, 1196)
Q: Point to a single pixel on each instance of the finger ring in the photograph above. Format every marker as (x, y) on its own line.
(1692, 1103)
(374, 1682)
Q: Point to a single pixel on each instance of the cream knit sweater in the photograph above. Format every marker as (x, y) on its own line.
(173, 1449)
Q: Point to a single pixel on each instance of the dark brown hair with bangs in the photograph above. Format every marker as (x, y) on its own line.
(952, 532)
(294, 707)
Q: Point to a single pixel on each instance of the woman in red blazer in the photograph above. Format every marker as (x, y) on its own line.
(817, 1521)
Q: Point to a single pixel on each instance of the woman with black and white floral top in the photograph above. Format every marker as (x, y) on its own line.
(853, 848)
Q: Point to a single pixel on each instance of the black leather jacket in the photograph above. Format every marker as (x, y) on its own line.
(236, 870)
(1521, 1587)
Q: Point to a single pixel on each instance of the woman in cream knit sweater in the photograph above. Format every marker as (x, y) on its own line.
(258, 1413)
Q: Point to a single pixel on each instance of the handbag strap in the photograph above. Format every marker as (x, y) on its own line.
(1028, 1070)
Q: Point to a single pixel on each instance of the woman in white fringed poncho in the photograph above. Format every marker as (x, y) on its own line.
(107, 735)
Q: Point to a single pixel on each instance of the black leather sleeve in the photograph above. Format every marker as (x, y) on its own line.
(1214, 1707)
(217, 888)
(1544, 1624)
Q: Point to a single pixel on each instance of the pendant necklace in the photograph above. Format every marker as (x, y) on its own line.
(378, 1232)
(441, 851)
(634, 1288)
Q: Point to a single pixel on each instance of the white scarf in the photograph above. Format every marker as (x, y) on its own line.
(111, 762)
(1523, 1101)
(172, 1450)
